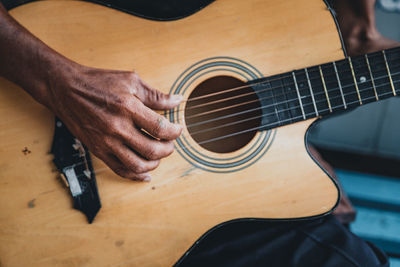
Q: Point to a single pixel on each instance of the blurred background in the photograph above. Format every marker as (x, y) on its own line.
(363, 146)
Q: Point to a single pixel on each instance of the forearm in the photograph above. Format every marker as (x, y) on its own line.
(26, 60)
(357, 24)
(105, 109)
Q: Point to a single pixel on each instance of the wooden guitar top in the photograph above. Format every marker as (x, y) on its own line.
(153, 224)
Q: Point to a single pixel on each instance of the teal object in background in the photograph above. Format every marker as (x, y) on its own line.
(389, 5)
(377, 201)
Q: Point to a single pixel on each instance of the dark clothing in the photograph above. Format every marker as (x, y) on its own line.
(319, 242)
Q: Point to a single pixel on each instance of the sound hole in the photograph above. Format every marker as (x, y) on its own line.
(221, 122)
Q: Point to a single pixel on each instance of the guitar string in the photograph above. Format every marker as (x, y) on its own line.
(284, 94)
(98, 171)
(286, 120)
(232, 134)
(224, 136)
(284, 110)
(284, 102)
(241, 132)
(288, 76)
(319, 78)
(267, 125)
(279, 122)
(316, 78)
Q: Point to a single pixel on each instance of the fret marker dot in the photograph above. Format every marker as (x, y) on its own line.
(363, 79)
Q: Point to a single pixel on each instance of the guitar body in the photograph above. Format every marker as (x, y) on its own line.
(154, 224)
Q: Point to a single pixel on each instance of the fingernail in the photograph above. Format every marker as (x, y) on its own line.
(147, 179)
(176, 98)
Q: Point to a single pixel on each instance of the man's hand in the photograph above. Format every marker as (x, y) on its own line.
(104, 109)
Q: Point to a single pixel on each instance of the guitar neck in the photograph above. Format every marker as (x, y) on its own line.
(324, 89)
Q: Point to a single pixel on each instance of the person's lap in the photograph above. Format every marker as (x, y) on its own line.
(318, 242)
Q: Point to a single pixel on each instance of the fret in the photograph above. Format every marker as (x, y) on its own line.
(355, 81)
(292, 98)
(379, 72)
(314, 78)
(347, 83)
(298, 95)
(388, 71)
(281, 103)
(332, 87)
(339, 85)
(372, 77)
(364, 82)
(311, 91)
(326, 91)
(393, 59)
(320, 90)
(306, 94)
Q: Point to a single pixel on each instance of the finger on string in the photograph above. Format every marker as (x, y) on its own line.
(156, 125)
(155, 99)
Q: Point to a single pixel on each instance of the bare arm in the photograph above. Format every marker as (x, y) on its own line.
(356, 20)
(104, 109)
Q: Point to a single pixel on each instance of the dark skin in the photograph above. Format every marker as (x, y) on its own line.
(106, 109)
(357, 22)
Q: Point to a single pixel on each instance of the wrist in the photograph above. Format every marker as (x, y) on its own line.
(53, 76)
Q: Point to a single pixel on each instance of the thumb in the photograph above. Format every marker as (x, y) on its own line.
(155, 99)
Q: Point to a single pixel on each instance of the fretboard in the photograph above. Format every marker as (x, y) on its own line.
(324, 89)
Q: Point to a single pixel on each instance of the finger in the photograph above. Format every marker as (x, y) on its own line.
(116, 166)
(147, 147)
(155, 99)
(155, 124)
(132, 161)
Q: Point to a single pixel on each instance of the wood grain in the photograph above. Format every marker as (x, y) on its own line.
(153, 224)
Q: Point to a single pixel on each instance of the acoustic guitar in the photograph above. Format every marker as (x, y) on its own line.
(251, 96)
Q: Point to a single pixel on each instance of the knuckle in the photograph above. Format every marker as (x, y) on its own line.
(152, 153)
(122, 172)
(170, 148)
(115, 128)
(159, 97)
(159, 126)
(126, 102)
(117, 100)
(108, 142)
(140, 167)
(119, 131)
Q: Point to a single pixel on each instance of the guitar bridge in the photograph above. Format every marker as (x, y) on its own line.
(73, 161)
